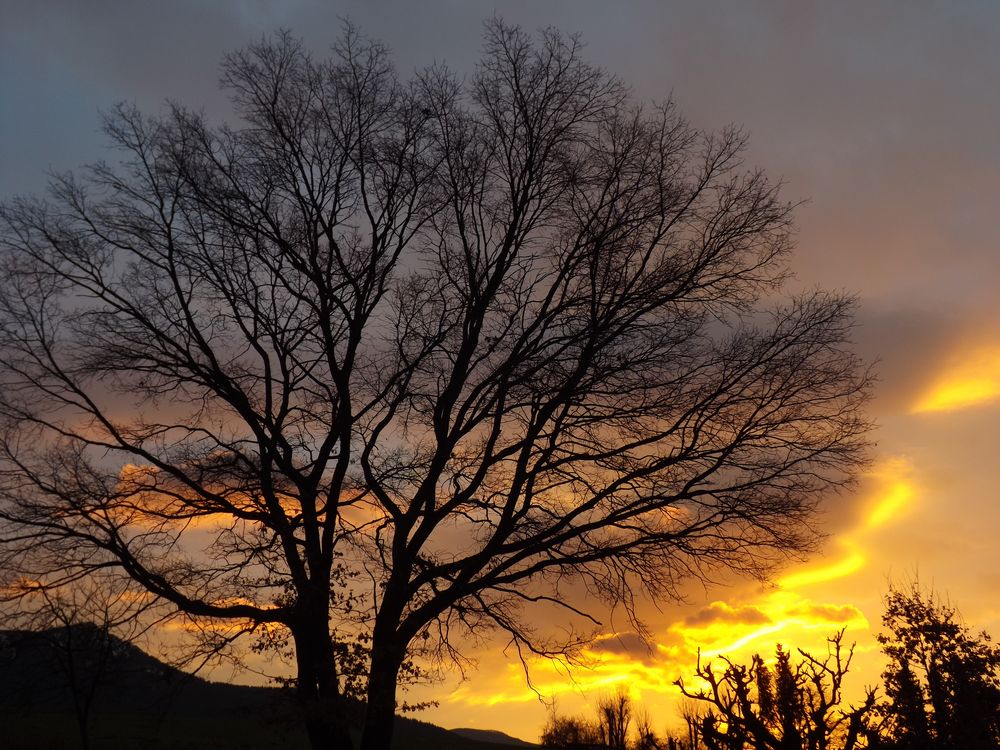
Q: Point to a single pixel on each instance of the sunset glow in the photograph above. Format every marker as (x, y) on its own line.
(973, 379)
(804, 608)
(526, 353)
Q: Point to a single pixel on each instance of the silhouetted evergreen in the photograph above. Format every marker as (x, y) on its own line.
(942, 684)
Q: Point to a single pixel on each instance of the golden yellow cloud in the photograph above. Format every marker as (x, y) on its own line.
(789, 618)
(553, 678)
(852, 561)
(716, 630)
(970, 380)
(895, 490)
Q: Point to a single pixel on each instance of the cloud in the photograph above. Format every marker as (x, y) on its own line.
(883, 126)
(852, 560)
(720, 612)
(904, 342)
(896, 492)
(827, 613)
(628, 644)
(791, 613)
(893, 491)
(971, 378)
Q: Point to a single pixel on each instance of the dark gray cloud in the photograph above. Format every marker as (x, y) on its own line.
(831, 613)
(629, 644)
(882, 114)
(720, 612)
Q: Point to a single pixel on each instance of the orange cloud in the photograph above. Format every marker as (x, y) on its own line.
(628, 644)
(827, 613)
(151, 498)
(970, 380)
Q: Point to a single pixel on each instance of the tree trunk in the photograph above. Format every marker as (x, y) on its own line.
(380, 712)
(323, 707)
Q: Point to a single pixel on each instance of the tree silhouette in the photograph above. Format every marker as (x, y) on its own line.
(387, 361)
(907, 725)
(570, 733)
(943, 681)
(798, 708)
(614, 720)
(612, 729)
(646, 737)
(693, 714)
(82, 625)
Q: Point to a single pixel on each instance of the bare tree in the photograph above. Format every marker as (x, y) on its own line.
(610, 730)
(614, 720)
(387, 361)
(693, 714)
(645, 736)
(799, 708)
(83, 626)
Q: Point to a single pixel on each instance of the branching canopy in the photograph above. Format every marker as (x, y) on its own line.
(414, 352)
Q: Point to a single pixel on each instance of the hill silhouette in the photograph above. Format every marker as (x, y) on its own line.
(491, 737)
(140, 702)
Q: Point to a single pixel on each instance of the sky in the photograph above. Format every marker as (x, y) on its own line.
(881, 116)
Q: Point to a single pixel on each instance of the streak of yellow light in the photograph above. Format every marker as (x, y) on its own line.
(549, 678)
(787, 610)
(899, 494)
(793, 617)
(972, 380)
(896, 490)
(852, 563)
(745, 640)
(789, 614)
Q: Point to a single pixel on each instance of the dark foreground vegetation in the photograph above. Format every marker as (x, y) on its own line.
(940, 691)
(79, 686)
(133, 700)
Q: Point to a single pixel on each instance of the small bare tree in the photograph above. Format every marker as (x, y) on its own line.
(614, 720)
(692, 712)
(645, 735)
(387, 361)
(83, 626)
